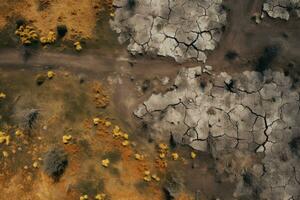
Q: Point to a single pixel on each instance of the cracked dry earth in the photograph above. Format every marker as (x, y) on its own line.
(282, 8)
(250, 112)
(181, 29)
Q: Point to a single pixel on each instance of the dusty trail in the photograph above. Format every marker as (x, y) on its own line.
(124, 72)
(93, 61)
(12, 57)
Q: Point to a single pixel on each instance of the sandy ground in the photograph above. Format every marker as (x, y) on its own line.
(68, 107)
(67, 112)
(121, 75)
(80, 17)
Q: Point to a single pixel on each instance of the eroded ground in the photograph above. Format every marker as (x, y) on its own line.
(72, 112)
(83, 117)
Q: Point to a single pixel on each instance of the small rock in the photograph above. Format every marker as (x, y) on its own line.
(207, 69)
(256, 18)
(165, 80)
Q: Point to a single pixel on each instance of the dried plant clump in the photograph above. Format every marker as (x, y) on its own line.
(30, 118)
(55, 163)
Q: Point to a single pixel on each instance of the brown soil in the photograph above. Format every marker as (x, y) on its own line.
(80, 17)
(68, 107)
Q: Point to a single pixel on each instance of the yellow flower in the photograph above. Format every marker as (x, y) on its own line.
(125, 143)
(162, 155)
(117, 129)
(155, 177)
(163, 146)
(2, 95)
(100, 196)
(139, 156)
(147, 172)
(78, 46)
(193, 155)
(107, 123)
(4, 138)
(175, 156)
(96, 121)
(43, 40)
(66, 139)
(105, 162)
(147, 178)
(125, 136)
(5, 154)
(19, 133)
(84, 197)
(50, 74)
(35, 164)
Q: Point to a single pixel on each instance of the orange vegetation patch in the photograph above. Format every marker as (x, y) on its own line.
(2, 21)
(131, 170)
(131, 173)
(100, 95)
(79, 16)
(184, 196)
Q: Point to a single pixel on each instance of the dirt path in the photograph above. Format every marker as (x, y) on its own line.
(120, 71)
